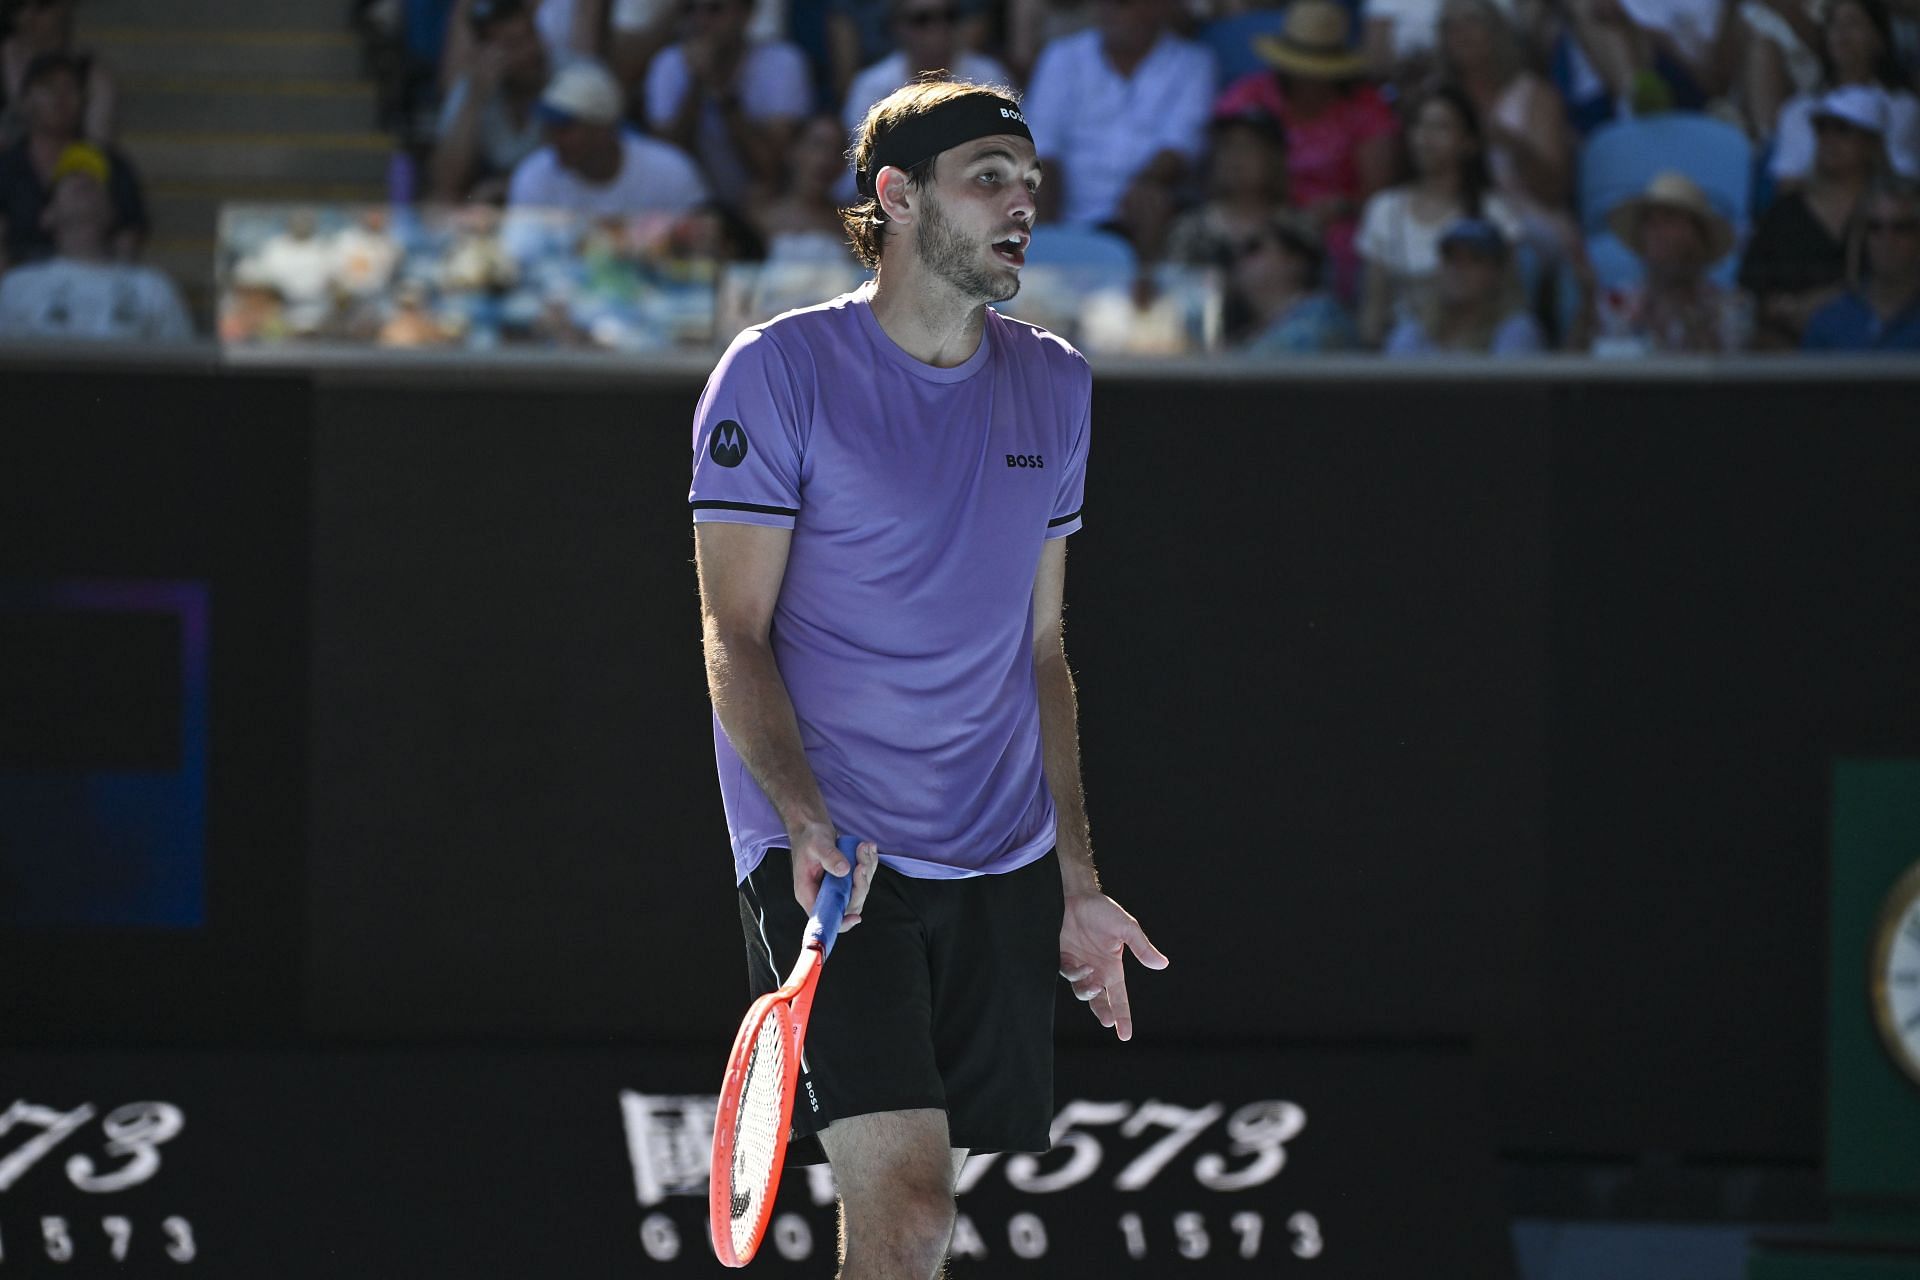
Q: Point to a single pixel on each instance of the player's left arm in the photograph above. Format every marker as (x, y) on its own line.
(1095, 931)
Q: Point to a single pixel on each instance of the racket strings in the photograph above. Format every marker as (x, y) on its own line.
(758, 1131)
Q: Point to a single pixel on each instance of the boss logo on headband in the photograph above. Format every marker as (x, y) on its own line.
(1008, 113)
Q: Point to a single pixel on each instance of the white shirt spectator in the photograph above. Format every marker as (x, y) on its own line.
(365, 258)
(1693, 25)
(1416, 23)
(1390, 236)
(1102, 128)
(774, 85)
(301, 269)
(67, 298)
(1793, 139)
(654, 178)
(890, 73)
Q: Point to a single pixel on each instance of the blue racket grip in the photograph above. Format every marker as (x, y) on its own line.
(831, 905)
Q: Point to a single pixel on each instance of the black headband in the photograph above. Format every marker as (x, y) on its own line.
(953, 122)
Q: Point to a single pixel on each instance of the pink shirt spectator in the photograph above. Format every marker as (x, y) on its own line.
(1320, 150)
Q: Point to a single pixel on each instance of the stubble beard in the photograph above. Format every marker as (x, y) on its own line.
(944, 251)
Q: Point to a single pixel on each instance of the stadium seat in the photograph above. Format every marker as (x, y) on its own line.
(1231, 40)
(1620, 159)
(1059, 246)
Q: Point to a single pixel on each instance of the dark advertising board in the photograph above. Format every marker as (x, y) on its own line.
(588, 1163)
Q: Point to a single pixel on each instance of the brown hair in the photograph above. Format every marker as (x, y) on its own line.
(865, 223)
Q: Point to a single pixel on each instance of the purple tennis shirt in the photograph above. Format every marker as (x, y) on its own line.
(920, 499)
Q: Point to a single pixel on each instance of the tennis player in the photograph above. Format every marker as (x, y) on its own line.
(882, 490)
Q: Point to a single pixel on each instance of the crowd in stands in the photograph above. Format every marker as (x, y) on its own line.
(1402, 176)
(73, 214)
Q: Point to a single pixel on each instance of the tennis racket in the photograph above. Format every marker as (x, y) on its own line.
(756, 1100)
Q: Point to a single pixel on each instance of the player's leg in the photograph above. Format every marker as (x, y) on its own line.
(895, 1172)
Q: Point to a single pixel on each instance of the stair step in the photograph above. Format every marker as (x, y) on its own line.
(194, 207)
(137, 51)
(204, 103)
(172, 14)
(304, 157)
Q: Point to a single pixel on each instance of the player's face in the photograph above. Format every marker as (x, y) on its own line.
(977, 220)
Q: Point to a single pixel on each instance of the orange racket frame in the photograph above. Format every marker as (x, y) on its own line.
(790, 1006)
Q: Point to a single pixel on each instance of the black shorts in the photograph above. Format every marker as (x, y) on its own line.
(942, 996)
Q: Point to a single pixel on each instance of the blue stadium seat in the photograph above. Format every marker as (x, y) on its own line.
(1061, 246)
(1620, 159)
(1231, 40)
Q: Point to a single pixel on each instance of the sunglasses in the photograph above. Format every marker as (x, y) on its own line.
(1905, 226)
(924, 18)
(710, 8)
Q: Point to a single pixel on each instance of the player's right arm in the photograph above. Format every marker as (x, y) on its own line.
(741, 567)
(748, 449)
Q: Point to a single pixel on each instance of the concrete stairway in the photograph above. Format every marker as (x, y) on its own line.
(236, 100)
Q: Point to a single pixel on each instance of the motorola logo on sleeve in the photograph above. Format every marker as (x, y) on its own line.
(728, 445)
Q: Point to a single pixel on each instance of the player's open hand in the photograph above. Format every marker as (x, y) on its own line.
(1095, 934)
(815, 855)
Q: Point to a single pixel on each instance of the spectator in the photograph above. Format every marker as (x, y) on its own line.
(1779, 55)
(412, 322)
(1476, 305)
(568, 29)
(731, 102)
(37, 27)
(1529, 146)
(1401, 38)
(1339, 129)
(1032, 25)
(489, 120)
(1654, 55)
(1399, 238)
(81, 292)
(51, 104)
(803, 223)
(476, 260)
(928, 34)
(299, 265)
(1881, 312)
(858, 34)
(1275, 283)
(1797, 261)
(366, 256)
(1119, 116)
(1246, 186)
(712, 235)
(1677, 234)
(1857, 51)
(590, 164)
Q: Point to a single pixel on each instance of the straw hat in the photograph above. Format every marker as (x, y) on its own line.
(1313, 43)
(1672, 190)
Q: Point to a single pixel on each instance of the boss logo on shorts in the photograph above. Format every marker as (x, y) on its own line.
(728, 445)
(1035, 460)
